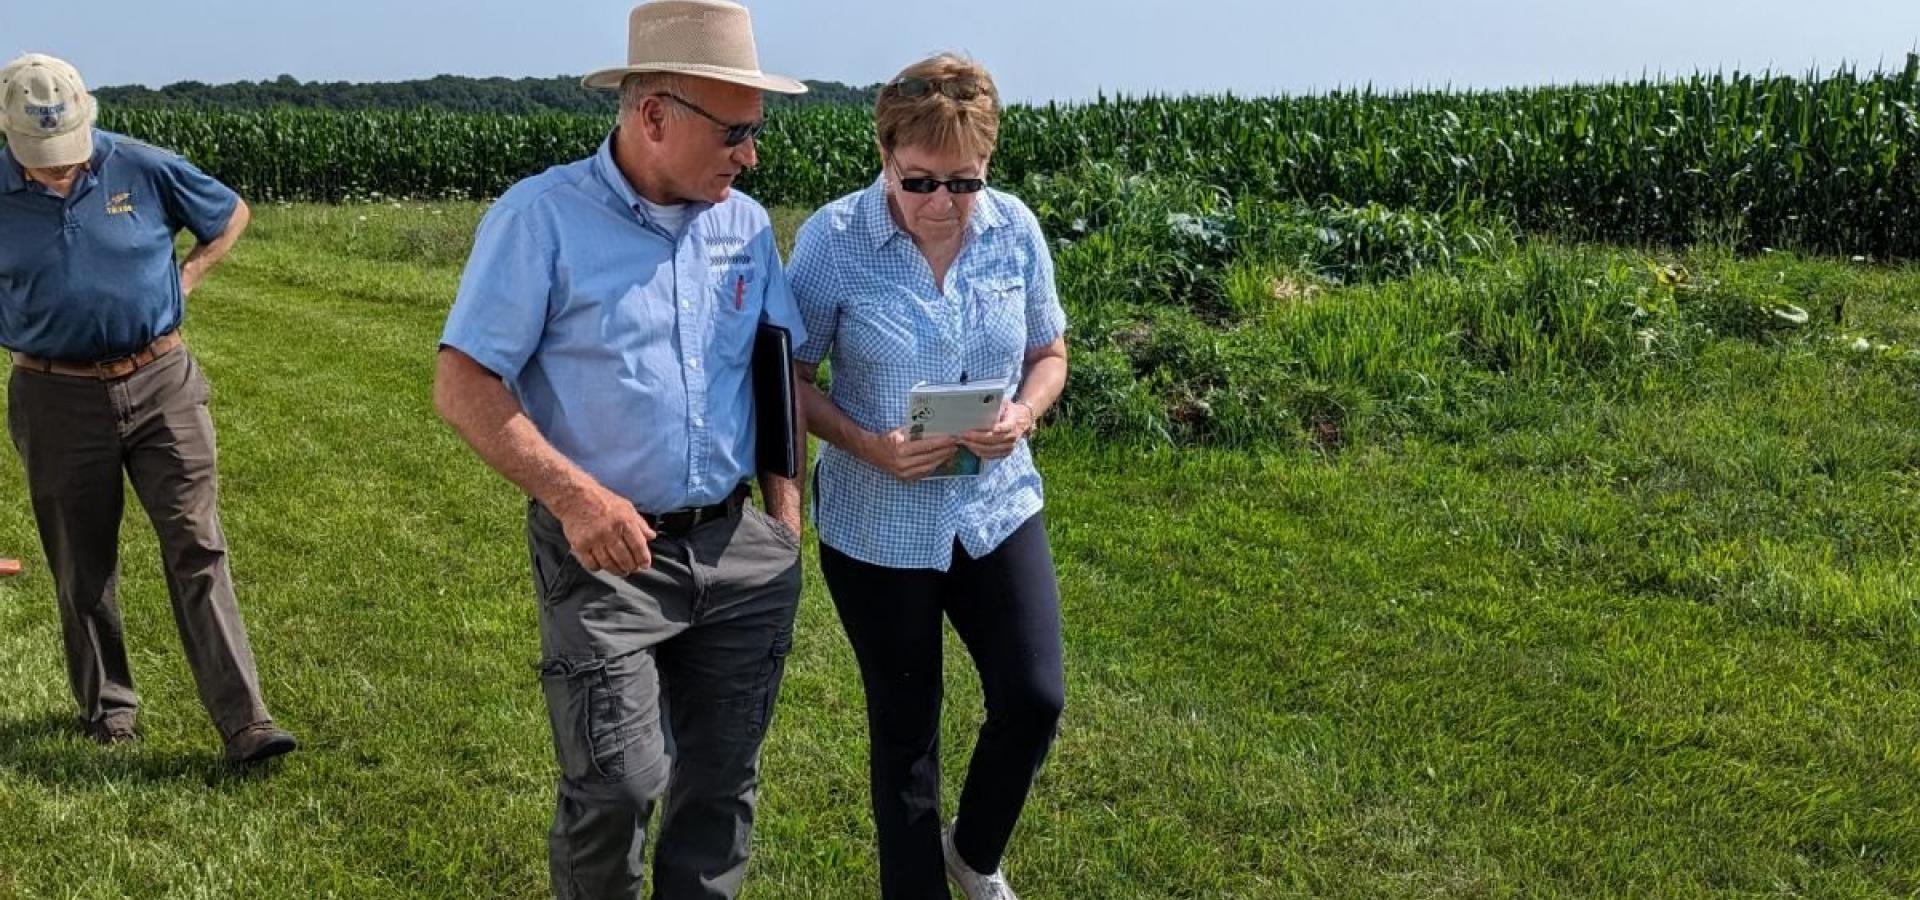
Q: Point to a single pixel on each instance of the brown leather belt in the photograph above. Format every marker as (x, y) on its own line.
(106, 369)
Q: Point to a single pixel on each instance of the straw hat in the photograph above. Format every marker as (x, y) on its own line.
(703, 38)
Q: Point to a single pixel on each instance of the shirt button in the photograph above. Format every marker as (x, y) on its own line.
(699, 422)
(693, 364)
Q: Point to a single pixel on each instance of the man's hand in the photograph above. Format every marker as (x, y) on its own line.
(605, 532)
(190, 275)
(791, 522)
(906, 459)
(204, 256)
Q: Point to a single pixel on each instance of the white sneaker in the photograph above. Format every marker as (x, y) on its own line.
(991, 886)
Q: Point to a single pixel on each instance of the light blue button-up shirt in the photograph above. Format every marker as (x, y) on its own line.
(629, 347)
(870, 305)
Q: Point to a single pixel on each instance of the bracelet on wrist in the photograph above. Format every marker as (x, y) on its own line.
(1033, 419)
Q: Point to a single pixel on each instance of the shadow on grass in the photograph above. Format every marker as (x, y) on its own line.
(52, 749)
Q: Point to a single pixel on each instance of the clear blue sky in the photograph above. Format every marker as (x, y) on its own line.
(1038, 49)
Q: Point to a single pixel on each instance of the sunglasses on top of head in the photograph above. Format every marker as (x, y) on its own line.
(737, 133)
(914, 87)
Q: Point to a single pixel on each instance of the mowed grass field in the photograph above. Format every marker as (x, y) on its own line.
(1652, 641)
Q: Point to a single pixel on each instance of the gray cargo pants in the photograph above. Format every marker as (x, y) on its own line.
(662, 683)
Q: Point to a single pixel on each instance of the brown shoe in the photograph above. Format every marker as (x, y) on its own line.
(111, 732)
(257, 742)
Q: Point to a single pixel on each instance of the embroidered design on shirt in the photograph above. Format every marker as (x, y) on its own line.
(727, 250)
(118, 205)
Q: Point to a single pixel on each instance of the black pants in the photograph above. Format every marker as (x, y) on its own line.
(1006, 608)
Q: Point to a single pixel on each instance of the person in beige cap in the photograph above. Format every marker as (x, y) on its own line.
(91, 299)
(597, 356)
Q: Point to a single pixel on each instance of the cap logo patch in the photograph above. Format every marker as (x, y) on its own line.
(49, 115)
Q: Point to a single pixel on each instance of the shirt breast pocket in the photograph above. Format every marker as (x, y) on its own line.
(738, 299)
(1001, 321)
(876, 331)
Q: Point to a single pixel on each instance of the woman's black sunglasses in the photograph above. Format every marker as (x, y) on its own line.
(736, 134)
(914, 87)
(953, 185)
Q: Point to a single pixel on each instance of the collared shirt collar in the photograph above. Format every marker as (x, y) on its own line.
(610, 175)
(13, 178)
(880, 228)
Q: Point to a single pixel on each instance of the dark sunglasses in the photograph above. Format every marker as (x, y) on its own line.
(953, 185)
(914, 87)
(736, 134)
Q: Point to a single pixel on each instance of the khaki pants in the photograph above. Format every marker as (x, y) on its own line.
(76, 436)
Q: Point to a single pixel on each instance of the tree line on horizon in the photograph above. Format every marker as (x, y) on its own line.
(454, 93)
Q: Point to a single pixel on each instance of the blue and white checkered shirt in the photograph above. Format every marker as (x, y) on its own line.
(867, 298)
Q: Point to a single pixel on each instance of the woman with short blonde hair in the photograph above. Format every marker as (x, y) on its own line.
(929, 276)
(937, 115)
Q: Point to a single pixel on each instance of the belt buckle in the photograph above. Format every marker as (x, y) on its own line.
(689, 518)
(677, 522)
(700, 515)
(103, 368)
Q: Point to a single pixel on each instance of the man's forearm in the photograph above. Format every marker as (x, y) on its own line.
(484, 413)
(782, 497)
(203, 257)
(785, 497)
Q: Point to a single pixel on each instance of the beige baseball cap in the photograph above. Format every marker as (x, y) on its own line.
(46, 112)
(704, 38)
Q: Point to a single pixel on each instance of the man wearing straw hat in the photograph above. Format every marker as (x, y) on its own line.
(91, 300)
(597, 356)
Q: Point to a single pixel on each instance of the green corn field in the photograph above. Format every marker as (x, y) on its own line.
(1828, 163)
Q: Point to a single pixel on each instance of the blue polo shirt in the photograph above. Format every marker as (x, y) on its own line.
(628, 345)
(92, 276)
